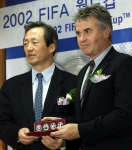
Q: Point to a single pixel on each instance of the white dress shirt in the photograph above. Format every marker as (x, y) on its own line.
(47, 75)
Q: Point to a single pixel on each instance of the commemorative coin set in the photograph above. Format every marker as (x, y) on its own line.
(45, 127)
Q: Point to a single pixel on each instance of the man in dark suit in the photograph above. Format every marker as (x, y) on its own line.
(104, 107)
(17, 96)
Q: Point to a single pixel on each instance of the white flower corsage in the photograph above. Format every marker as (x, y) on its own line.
(98, 76)
(68, 99)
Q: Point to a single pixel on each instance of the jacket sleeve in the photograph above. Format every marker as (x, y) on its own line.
(8, 128)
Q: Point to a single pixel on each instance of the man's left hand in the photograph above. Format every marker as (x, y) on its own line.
(52, 143)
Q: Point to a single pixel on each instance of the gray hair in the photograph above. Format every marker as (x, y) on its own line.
(100, 13)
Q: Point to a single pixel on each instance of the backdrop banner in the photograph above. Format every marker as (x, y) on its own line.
(59, 14)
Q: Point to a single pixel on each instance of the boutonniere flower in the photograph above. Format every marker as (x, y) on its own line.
(98, 76)
(68, 99)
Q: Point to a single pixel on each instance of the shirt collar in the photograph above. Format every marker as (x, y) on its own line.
(99, 58)
(47, 73)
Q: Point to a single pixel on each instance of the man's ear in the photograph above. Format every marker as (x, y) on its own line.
(52, 48)
(107, 33)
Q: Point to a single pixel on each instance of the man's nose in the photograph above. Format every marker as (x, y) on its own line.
(83, 37)
(30, 46)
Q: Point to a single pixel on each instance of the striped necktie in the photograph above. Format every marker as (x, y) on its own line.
(91, 64)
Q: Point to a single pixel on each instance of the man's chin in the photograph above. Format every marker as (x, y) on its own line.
(86, 52)
(31, 62)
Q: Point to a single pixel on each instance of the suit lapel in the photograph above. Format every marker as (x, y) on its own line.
(27, 96)
(103, 65)
(106, 61)
(53, 92)
(78, 102)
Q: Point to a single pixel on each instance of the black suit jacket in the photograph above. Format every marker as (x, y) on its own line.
(105, 119)
(16, 105)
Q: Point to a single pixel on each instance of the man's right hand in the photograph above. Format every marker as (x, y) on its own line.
(24, 138)
(66, 132)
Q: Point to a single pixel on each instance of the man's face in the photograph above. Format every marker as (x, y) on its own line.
(91, 40)
(36, 50)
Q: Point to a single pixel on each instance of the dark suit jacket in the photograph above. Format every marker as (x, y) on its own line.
(16, 105)
(105, 119)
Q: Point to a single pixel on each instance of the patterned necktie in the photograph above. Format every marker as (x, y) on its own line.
(91, 64)
(38, 98)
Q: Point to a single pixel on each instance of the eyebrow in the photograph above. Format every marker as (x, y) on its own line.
(84, 29)
(27, 39)
(87, 29)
